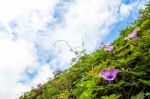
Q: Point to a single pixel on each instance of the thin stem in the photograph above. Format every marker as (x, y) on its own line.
(66, 43)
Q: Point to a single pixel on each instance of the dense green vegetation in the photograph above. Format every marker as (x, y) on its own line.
(82, 81)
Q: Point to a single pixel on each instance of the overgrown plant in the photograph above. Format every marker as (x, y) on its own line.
(128, 66)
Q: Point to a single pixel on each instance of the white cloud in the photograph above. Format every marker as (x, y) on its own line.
(44, 73)
(14, 57)
(126, 9)
(88, 20)
(34, 24)
(17, 55)
(10, 9)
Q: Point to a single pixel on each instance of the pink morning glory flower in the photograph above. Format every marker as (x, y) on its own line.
(109, 74)
(131, 35)
(39, 85)
(109, 48)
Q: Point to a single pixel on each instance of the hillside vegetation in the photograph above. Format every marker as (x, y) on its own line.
(130, 57)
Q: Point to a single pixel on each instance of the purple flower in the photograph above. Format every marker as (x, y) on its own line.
(109, 74)
(131, 35)
(39, 85)
(102, 45)
(109, 48)
(106, 47)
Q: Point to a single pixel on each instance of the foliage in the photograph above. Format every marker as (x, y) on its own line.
(138, 96)
(113, 96)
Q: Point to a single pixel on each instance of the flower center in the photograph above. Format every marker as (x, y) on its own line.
(110, 76)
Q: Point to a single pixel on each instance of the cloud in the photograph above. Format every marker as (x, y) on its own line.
(29, 29)
(11, 9)
(44, 73)
(14, 56)
(127, 9)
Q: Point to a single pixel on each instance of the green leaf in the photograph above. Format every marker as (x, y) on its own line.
(112, 96)
(146, 82)
(138, 96)
(147, 94)
(87, 94)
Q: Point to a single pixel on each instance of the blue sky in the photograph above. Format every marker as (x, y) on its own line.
(29, 29)
(119, 26)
